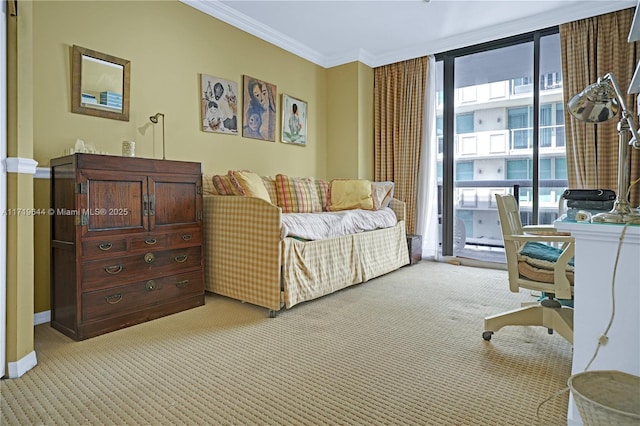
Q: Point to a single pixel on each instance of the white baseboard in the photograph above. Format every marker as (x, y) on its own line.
(18, 368)
(41, 317)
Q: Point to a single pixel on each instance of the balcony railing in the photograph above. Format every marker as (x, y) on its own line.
(550, 137)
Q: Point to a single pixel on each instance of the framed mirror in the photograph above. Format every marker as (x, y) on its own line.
(99, 84)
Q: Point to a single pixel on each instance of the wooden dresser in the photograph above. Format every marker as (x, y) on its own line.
(126, 241)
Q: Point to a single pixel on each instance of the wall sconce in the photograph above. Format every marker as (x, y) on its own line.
(598, 103)
(154, 120)
(499, 170)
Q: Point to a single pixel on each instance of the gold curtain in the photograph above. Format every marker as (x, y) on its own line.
(399, 110)
(591, 48)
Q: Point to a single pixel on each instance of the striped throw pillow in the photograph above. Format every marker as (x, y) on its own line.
(297, 195)
(322, 186)
(224, 186)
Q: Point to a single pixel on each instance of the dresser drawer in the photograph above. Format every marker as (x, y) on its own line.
(105, 247)
(124, 299)
(185, 237)
(149, 242)
(114, 271)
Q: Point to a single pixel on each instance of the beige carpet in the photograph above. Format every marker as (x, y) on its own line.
(402, 349)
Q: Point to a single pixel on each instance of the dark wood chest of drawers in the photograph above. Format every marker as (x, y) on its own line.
(126, 241)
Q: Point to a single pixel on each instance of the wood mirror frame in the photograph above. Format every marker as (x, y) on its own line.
(112, 84)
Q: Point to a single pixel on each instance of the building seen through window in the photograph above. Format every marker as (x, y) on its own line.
(493, 139)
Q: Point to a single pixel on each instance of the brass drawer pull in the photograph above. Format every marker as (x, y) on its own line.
(181, 258)
(150, 241)
(149, 257)
(187, 237)
(113, 299)
(105, 246)
(150, 285)
(113, 269)
(182, 284)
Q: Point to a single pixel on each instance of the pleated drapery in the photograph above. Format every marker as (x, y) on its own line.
(399, 108)
(591, 48)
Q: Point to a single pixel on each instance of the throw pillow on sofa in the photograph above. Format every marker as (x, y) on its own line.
(297, 195)
(348, 194)
(322, 186)
(224, 186)
(382, 193)
(270, 185)
(249, 184)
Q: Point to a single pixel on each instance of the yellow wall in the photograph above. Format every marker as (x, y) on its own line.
(20, 119)
(350, 121)
(169, 45)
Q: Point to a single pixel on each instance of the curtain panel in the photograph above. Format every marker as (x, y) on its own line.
(591, 48)
(399, 108)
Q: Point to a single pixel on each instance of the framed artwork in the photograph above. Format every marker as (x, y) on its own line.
(259, 109)
(219, 99)
(294, 121)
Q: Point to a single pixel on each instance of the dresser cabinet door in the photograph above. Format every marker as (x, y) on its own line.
(176, 201)
(112, 202)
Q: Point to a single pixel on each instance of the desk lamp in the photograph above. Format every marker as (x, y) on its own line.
(598, 103)
(154, 120)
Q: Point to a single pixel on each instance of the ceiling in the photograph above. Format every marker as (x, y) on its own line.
(331, 33)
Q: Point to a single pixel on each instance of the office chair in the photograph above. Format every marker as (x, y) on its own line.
(534, 264)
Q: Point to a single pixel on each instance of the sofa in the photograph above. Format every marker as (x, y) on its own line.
(248, 256)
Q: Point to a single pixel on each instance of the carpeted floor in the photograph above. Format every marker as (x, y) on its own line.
(402, 349)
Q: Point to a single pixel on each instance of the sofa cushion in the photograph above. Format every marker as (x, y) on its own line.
(322, 186)
(297, 195)
(207, 185)
(382, 193)
(249, 184)
(224, 186)
(347, 194)
(270, 184)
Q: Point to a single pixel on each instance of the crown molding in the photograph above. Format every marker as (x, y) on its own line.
(241, 21)
(571, 12)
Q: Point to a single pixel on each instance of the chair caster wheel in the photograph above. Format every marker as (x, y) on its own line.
(486, 335)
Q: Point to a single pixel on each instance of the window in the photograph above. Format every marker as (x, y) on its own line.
(464, 170)
(502, 79)
(464, 123)
(561, 168)
(546, 126)
(520, 123)
(519, 169)
(545, 168)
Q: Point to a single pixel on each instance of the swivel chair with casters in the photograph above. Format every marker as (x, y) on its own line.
(534, 264)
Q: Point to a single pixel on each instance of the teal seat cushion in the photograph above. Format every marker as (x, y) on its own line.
(541, 252)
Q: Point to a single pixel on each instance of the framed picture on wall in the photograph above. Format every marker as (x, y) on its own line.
(219, 105)
(259, 109)
(294, 121)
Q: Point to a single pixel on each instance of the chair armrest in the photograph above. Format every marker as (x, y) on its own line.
(542, 230)
(540, 238)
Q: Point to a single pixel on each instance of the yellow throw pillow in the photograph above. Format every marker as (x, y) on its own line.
(348, 194)
(249, 184)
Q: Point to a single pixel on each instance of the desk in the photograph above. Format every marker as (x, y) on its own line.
(596, 248)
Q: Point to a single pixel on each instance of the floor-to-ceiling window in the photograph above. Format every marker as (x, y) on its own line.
(500, 130)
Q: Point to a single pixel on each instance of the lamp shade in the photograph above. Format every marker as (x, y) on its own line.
(595, 104)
